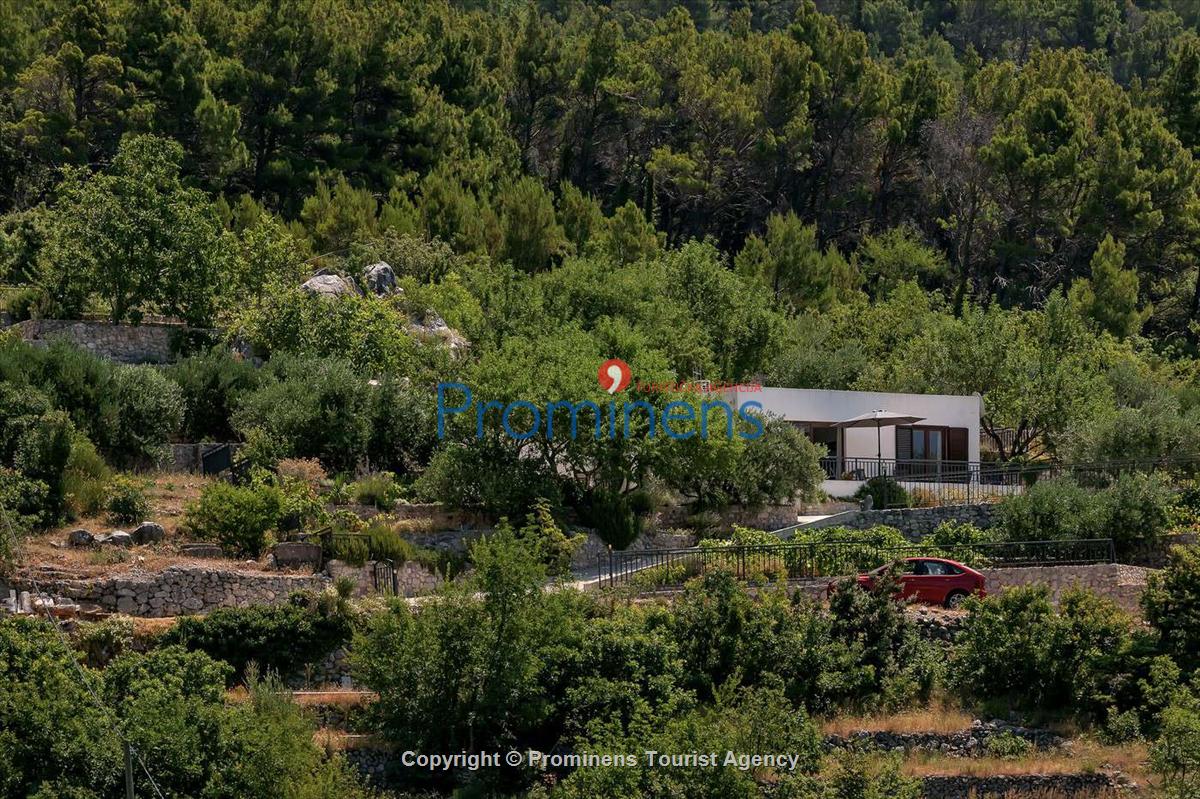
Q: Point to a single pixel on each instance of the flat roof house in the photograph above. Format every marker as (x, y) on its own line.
(915, 438)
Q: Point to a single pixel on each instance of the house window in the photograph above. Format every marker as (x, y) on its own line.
(931, 443)
(927, 444)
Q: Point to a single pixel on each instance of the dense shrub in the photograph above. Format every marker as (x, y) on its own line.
(614, 517)
(86, 478)
(543, 535)
(238, 518)
(902, 667)
(1016, 647)
(1172, 605)
(311, 409)
(35, 440)
(378, 490)
(142, 411)
(211, 386)
(403, 435)
(884, 492)
(276, 637)
(1050, 509)
(1134, 508)
(488, 477)
(479, 666)
(839, 551)
(59, 719)
(126, 501)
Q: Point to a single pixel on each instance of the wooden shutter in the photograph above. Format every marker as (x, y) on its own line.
(956, 444)
(904, 443)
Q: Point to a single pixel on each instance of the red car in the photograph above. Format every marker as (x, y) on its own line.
(932, 580)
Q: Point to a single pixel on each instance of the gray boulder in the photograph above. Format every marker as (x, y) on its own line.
(117, 538)
(379, 278)
(148, 533)
(80, 538)
(328, 286)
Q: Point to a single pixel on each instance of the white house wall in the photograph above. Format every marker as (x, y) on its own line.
(819, 405)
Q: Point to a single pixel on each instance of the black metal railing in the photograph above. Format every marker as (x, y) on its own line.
(664, 568)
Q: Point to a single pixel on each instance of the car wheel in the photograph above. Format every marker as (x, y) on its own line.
(956, 599)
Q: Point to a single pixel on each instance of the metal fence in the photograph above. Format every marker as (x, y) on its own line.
(663, 568)
(941, 482)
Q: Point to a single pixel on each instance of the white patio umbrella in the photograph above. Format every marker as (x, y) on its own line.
(879, 419)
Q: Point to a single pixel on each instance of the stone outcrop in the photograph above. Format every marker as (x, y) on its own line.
(328, 286)
(379, 278)
(80, 538)
(117, 538)
(148, 533)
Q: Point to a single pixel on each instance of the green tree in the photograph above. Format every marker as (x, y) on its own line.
(1172, 606)
(1110, 297)
(789, 261)
(136, 237)
(533, 239)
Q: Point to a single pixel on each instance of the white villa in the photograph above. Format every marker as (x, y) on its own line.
(916, 438)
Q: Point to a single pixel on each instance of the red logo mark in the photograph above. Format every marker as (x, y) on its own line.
(614, 375)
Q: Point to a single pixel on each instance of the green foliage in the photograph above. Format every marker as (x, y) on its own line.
(1133, 510)
(895, 256)
(1171, 602)
(1016, 647)
(1176, 754)
(53, 729)
(211, 386)
(465, 671)
(1008, 746)
(884, 492)
(143, 410)
(1110, 298)
(487, 477)
(236, 517)
(125, 500)
(135, 237)
(86, 478)
(378, 490)
(277, 638)
(311, 409)
(789, 261)
(542, 534)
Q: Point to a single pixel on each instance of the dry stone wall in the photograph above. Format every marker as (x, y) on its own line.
(1084, 786)
(178, 590)
(913, 523)
(147, 343)
(1118, 582)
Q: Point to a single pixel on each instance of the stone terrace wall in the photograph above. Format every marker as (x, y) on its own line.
(913, 523)
(1118, 582)
(1084, 786)
(147, 343)
(178, 590)
(771, 517)
(412, 578)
